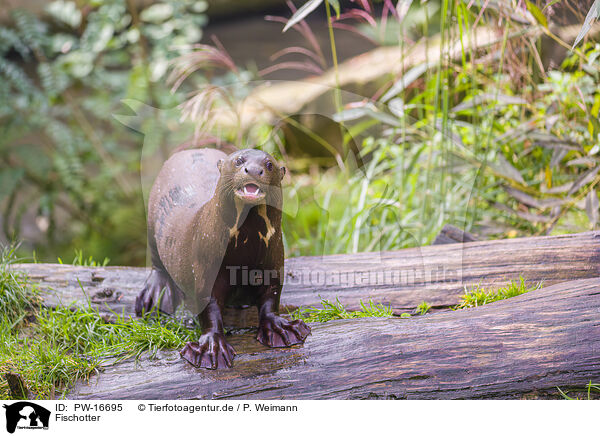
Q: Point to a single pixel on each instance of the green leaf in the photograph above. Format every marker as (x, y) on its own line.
(409, 77)
(553, 2)
(103, 37)
(505, 168)
(368, 110)
(336, 7)
(537, 14)
(302, 13)
(77, 63)
(593, 13)
(34, 159)
(9, 180)
(402, 8)
(65, 12)
(201, 6)
(157, 13)
(591, 207)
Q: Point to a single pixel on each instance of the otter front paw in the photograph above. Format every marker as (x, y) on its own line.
(211, 351)
(275, 331)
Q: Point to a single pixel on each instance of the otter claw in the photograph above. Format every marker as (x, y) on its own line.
(211, 352)
(278, 332)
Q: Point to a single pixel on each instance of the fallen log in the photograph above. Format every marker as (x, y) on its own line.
(451, 235)
(524, 346)
(401, 279)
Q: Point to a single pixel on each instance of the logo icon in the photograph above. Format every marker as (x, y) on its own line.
(26, 415)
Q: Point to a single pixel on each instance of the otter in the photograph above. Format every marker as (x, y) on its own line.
(212, 217)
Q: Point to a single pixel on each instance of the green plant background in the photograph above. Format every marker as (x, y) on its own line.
(491, 143)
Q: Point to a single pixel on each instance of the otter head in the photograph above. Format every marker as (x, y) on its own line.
(253, 176)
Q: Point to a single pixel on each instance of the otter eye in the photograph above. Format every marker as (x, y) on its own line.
(269, 165)
(239, 161)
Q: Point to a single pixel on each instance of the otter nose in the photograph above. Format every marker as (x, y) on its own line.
(254, 170)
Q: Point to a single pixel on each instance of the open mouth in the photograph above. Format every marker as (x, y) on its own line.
(250, 191)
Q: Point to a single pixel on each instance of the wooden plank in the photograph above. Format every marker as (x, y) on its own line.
(402, 279)
(527, 344)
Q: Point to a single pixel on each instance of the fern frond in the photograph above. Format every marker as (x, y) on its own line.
(47, 78)
(16, 76)
(31, 30)
(9, 39)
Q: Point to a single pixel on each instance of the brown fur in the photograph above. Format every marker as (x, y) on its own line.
(203, 229)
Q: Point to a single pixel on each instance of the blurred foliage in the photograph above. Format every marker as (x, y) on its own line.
(64, 157)
(491, 141)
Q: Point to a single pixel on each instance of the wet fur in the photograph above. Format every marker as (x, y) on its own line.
(199, 229)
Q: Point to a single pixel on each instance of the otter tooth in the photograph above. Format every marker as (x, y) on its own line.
(255, 193)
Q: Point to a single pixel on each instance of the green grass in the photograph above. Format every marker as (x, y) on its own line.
(591, 391)
(81, 260)
(45, 369)
(330, 311)
(16, 297)
(471, 298)
(50, 348)
(478, 296)
(376, 208)
(84, 331)
(423, 308)
(65, 344)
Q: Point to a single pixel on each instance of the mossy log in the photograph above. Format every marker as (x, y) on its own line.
(401, 279)
(526, 346)
(522, 347)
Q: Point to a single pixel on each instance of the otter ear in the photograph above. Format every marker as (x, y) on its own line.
(282, 171)
(220, 164)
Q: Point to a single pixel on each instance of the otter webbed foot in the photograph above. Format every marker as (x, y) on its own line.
(158, 289)
(211, 351)
(276, 331)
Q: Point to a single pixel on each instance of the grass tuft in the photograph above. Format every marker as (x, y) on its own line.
(50, 348)
(423, 308)
(84, 331)
(592, 391)
(16, 297)
(330, 311)
(80, 260)
(479, 296)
